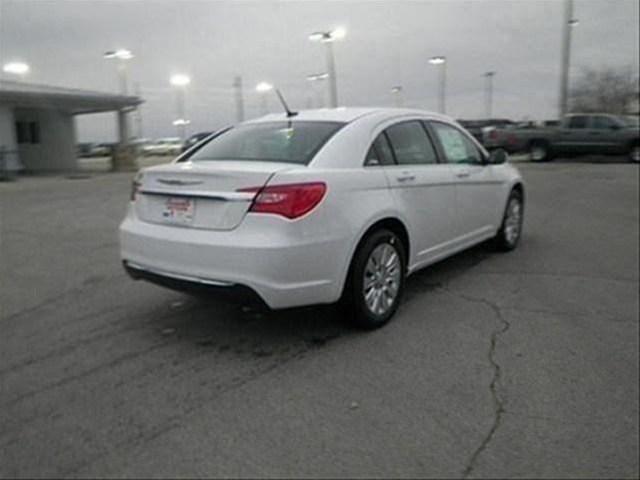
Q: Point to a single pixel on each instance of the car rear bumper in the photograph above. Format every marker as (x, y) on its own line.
(229, 292)
(281, 268)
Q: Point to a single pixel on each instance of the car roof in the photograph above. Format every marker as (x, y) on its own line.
(343, 114)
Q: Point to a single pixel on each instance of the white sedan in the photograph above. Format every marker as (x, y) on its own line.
(328, 205)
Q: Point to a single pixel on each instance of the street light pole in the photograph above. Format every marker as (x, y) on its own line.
(317, 78)
(328, 38)
(122, 76)
(237, 86)
(181, 81)
(121, 55)
(488, 98)
(264, 109)
(397, 95)
(441, 62)
(263, 88)
(138, 110)
(181, 125)
(567, 23)
(124, 157)
(331, 70)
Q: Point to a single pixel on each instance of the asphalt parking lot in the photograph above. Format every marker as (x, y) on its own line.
(497, 365)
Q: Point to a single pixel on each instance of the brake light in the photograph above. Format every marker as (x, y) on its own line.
(290, 200)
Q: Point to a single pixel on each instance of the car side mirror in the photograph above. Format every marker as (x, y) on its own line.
(497, 157)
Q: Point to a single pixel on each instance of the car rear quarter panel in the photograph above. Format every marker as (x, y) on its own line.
(356, 198)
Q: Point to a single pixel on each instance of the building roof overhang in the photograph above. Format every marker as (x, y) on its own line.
(73, 100)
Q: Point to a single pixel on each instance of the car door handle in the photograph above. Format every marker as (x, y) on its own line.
(406, 178)
(463, 174)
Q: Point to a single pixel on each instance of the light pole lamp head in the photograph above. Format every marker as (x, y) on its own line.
(16, 68)
(264, 87)
(180, 80)
(317, 76)
(574, 22)
(338, 33)
(396, 89)
(439, 60)
(120, 54)
(330, 36)
(317, 36)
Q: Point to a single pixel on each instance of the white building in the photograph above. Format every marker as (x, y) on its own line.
(37, 126)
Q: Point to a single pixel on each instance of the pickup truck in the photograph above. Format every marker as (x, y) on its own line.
(577, 134)
(478, 128)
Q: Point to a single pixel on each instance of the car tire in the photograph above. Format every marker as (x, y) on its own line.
(539, 151)
(634, 153)
(371, 306)
(510, 231)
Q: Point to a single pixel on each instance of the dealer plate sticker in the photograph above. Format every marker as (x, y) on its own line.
(179, 210)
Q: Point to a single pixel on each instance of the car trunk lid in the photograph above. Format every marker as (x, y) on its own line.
(201, 194)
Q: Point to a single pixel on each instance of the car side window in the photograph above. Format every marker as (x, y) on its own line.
(602, 123)
(379, 153)
(578, 121)
(457, 147)
(411, 144)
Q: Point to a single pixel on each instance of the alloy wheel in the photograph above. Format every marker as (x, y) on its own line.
(538, 153)
(513, 221)
(382, 279)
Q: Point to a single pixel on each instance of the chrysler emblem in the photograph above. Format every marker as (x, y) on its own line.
(172, 181)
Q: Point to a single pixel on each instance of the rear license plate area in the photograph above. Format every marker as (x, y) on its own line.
(179, 210)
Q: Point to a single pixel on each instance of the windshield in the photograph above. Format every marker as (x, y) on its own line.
(291, 142)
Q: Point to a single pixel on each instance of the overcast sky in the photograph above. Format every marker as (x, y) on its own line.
(388, 43)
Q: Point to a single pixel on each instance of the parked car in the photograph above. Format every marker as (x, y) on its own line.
(498, 137)
(163, 146)
(577, 134)
(104, 149)
(193, 139)
(335, 205)
(140, 144)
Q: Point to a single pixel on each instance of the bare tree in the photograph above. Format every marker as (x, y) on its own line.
(606, 90)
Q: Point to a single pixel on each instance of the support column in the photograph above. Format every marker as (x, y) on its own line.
(123, 157)
(237, 87)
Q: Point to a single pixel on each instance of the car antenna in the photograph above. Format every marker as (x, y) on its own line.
(284, 104)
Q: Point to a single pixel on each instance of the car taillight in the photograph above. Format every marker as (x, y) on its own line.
(290, 200)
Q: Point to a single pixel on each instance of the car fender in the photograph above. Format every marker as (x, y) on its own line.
(388, 213)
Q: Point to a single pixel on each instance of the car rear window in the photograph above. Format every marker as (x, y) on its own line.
(290, 142)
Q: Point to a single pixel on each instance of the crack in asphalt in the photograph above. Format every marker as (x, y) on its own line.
(498, 402)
